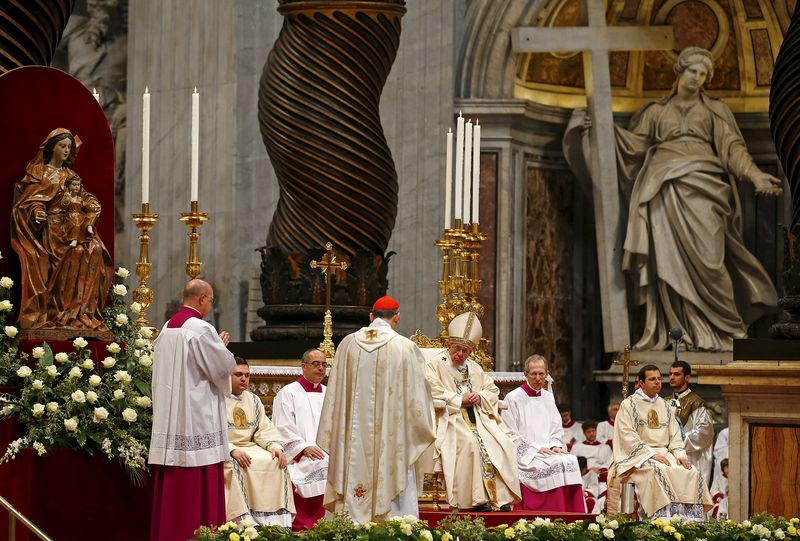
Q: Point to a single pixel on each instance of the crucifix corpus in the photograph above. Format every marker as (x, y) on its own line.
(595, 41)
(326, 264)
(626, 363)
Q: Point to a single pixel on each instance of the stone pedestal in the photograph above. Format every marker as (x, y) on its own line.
(762, 389)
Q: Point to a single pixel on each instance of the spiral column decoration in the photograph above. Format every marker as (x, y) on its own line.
(784, 118)
(30, 31)
(318, 112)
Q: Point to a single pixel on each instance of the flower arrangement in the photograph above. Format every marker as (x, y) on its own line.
(463, 527)
(71, 400)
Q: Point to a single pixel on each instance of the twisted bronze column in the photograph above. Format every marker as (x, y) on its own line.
(318, 110)
(784, 118)
(30, 31)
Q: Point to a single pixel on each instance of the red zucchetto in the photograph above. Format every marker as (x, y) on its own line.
(385, 303)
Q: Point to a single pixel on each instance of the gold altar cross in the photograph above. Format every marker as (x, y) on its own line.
(626, 363)
(327, 263)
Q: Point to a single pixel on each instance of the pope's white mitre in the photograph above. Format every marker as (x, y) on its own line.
(465, 329)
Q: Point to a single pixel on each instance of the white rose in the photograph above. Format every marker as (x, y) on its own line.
(145, 360)
(121, 319)
(75, 372)
(6, 306)
(136, 308)
(37, 384)
(119, 394)
(109, 362)
(613, 524)
(779, 534)
(129, 414)
(593, 527)
(37, 352)
(123, 273)
(426, 535)
(80, 342)
(405, 527)
(143, 401)
(6, 282)
(141, 342)
(78, 396)
(52, 371)
(71, 424)
(87, 364)
(11, 331)
(38, 410)
(601, 519)
(608, 533)
(52, 406)
(122, 376)
(120, 290)
(146, 332)
(250, 532)
(24, 372)
(113, 347)
(91, 397)
(61, 357)
(100, 414)
(94, 380)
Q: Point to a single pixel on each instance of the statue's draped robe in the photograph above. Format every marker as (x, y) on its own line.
(553, 482)
(683, 245)
(262, 491)
(376, 421)
(643, 428)
(478, 457)
(296, 412)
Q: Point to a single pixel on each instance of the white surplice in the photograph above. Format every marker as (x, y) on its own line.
(597, 454)
(573, 433)
(605, 431)
(191, 377)
(536, 423)
(296, 413)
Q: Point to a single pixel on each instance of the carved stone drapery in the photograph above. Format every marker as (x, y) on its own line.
(318, 111)
(30, 31)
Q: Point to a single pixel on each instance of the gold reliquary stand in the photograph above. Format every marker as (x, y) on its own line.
(459, 286)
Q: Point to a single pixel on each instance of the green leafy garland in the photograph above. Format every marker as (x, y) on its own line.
(69, 400)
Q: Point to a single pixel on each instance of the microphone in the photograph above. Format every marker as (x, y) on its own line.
(676, 334)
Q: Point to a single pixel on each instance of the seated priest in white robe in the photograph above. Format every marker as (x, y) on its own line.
(549, 475)
(649, 452)
(295, 412)
(473, 445)
(257, 484)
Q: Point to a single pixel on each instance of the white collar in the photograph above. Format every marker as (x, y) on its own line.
(640, 393)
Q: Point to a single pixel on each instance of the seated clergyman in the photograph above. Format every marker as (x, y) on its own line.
(257, 484)
(650, 453)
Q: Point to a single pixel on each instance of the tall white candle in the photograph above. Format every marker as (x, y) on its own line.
(448, 180)
(96, 95)
(459, 180)
(195, 141)
(467, 169)
(146, 146)
(476, 170)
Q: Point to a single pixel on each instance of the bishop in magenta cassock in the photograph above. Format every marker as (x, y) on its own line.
(550, 477)
(189, 444)
(296, 411)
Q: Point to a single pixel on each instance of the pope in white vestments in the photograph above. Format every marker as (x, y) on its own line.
(296, 412)
(649, 451)
(376, 420)
(257, 484)
(473, 445)
(549, 475)
(189, 443)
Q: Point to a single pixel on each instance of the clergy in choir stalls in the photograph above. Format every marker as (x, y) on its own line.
(473, 445)
(376, 420)
(257, 484)
(695, 417)
(598, 457)
(550, 477)
(605, 429)
(189, 442)
(296, 412)
(649, 452)
(573, 430)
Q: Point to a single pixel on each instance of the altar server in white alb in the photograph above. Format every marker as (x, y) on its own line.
(549, 475)
(376, 420)
(257, 484)
(189, 444)
(473, 445)
(296, 412)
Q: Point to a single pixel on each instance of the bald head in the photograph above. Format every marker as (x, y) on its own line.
(199, 295)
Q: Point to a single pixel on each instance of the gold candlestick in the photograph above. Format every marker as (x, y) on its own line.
(145, 221)
(194, 221)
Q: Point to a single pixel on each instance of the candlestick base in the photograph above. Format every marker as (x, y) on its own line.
(194, 220)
